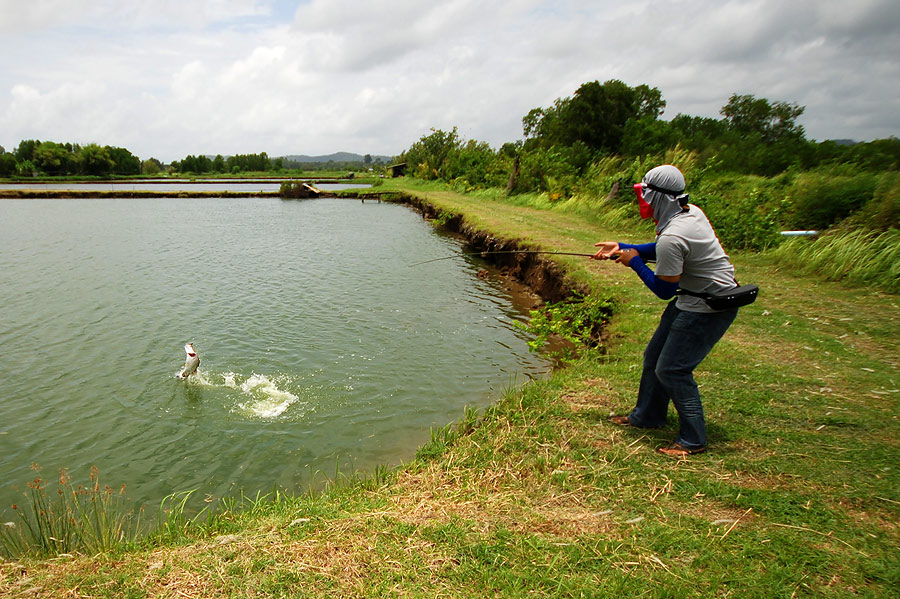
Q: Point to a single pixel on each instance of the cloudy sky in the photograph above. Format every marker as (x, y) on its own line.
(167, 78)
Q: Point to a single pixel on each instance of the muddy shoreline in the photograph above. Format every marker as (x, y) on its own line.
(540, 275)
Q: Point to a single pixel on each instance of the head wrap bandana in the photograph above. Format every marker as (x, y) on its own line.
(662, 190)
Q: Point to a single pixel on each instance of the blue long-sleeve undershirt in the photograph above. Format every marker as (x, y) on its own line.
(663, 289)
(647, 251)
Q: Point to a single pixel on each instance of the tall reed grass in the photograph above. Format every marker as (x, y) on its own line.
(88, 519)
(857, 257)
(96, 519)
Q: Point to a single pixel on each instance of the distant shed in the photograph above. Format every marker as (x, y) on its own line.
(398, 170)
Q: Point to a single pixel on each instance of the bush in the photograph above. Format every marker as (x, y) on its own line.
(546, 169)
(825, 196)
(742, 221)
(882, 212)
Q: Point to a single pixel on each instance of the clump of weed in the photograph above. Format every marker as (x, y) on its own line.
(578, 320)
(85, 519)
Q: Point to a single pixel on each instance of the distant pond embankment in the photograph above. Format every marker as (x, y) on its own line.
(152, 188)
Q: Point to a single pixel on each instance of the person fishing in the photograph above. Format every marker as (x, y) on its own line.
(691, 266)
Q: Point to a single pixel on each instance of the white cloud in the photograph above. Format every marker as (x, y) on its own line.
(23, 17)
(171, 78)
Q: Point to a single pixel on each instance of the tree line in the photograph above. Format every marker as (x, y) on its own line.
(238, 163)
(33, 157)
(599, 141)
(46, 158)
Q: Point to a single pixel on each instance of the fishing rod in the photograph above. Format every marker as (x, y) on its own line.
(503, 252)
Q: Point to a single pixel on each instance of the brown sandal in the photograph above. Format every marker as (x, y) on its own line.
(620, 420)
(679, 451)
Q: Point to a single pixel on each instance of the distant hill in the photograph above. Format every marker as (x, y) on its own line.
(336, 157)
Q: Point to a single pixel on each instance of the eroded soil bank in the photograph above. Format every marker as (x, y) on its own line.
(544, 277)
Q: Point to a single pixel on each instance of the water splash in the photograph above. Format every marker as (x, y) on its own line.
(261, 396)
(265, 398)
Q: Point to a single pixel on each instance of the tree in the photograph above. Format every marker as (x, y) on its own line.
(52, 158)
(696, 132)
(26, 148)
(596, 115)
(7, 165)
(125, 162)
(427, 156)
(152, 166)
(647, 135)
(763, 137)
(773, 122)
(95, 160)
(649, 102)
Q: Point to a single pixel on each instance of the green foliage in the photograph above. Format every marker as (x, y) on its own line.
(53, 158)
(648, 135)
(578, 320)
(475, 164)
(7, 165)
(877, 155)
(125, 163)
(151, 166)
(742, 221)
(96, 160)
(25, 149)
(883, 211)
(823, 197)
(239, 163)
(443, 217)
(249, 162)
(546, 169)
(772, 121)
(428, 157)
(585, 152)
(596, 115)
(34, 157)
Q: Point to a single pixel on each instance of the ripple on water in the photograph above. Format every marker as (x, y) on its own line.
(317, 341)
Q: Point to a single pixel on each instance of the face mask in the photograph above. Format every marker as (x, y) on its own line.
(646, 209)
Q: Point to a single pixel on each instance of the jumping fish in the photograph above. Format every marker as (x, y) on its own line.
(191, 362)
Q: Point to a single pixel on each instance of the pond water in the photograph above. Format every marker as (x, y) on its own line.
(173, 186)
(320, 347)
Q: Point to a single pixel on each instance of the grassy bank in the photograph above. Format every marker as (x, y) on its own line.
(799, 495)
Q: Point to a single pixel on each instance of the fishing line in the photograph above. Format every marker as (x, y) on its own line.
(503, 252)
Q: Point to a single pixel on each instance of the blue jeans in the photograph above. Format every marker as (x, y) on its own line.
(679, 344)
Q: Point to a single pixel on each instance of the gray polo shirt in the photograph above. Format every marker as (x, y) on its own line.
(688, 246)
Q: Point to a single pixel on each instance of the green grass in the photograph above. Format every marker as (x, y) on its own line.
(858, 257)
(538, 495)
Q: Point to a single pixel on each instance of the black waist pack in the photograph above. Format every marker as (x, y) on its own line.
(727, 300)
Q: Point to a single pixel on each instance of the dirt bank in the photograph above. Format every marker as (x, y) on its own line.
(541, 275)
